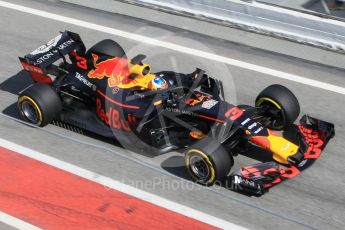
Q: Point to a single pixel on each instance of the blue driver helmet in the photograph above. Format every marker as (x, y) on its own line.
(159, 83)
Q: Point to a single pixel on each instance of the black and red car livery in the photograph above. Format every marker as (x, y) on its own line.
(103, 91)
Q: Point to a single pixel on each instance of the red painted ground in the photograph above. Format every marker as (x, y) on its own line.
(50, 198)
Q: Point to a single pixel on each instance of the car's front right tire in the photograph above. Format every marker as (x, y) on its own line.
(280, 99)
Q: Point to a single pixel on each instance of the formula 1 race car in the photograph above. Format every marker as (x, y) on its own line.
(102, 91)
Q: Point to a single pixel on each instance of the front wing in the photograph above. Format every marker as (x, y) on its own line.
(256, 179)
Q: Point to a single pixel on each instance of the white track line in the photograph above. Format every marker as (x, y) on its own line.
(110, 183)
(16, 223)
(179, 48)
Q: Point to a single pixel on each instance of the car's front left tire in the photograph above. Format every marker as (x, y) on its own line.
(208, 162)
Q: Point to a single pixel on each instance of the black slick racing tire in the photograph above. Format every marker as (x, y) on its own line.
(281, 98)
(208, 162)
(39, 104)
(108, 47)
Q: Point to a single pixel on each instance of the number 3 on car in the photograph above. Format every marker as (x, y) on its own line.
(234, 113)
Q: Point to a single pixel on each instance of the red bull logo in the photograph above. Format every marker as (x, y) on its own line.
(115, 69)
(112, 118)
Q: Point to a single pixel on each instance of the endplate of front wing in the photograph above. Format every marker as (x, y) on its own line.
(256, 179)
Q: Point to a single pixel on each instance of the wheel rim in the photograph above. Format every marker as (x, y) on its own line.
(277, 121)
(30, 112)
(199, 167)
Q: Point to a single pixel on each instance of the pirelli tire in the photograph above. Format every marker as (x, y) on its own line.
(39, 104)
(208, 162)
(108, 47)
(281, 98)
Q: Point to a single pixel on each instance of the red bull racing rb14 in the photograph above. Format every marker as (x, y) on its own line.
(102, 91)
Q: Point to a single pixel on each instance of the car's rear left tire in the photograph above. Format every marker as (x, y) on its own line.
(39, 104)
(208, 162)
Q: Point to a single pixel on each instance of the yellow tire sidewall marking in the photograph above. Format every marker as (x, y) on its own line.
(37, 108)
(263, 99)
(207, 160)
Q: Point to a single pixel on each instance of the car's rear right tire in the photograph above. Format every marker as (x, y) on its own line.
(108, 47)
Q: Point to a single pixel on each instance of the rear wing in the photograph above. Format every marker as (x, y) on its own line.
(38, 61)
(55, 49)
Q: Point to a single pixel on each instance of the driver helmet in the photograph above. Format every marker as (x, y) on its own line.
(159, 83)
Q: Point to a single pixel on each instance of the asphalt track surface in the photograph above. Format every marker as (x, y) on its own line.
(314, 200)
